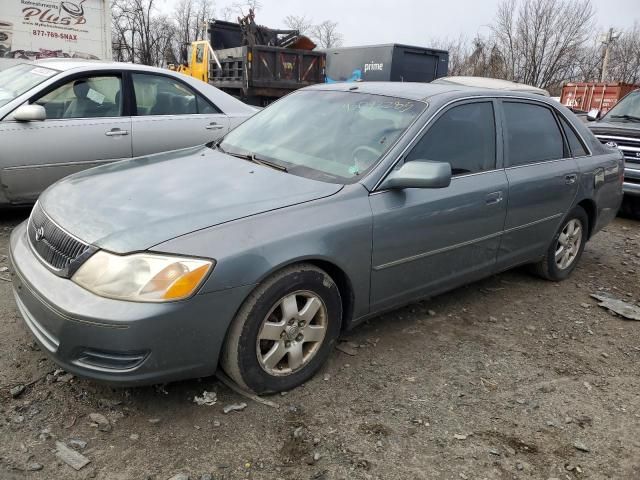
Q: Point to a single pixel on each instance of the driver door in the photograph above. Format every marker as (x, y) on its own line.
(427, 240)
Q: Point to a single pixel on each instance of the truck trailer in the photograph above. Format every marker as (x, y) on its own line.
(254, 63)
(386, 63)
(601, 96)
(31, 30)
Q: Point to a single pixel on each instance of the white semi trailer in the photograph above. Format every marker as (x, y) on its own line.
(34, 29)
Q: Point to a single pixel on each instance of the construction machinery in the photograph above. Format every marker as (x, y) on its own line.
(254, 63)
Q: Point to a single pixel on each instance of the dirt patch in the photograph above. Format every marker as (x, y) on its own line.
(515, 444)
(508, 378)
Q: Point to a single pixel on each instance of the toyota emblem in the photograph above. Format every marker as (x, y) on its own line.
(39, 233)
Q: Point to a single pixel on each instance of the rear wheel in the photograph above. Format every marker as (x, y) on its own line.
(566, 248)
(284, 331)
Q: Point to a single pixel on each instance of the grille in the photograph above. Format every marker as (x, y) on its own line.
(55, 247)
(629, 146)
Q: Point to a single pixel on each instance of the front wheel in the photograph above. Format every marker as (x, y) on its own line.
(566, 248)
(284, 331)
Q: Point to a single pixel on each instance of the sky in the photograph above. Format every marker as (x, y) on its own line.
(413, 22)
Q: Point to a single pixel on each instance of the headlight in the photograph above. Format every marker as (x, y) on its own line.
(142, 277)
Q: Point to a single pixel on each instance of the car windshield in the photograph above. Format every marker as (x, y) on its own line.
(19, 79)
(331, 136)
(627, 110)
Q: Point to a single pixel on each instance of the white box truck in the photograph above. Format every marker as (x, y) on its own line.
(34, 29)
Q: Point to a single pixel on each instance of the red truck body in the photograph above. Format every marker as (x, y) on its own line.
(587, 96)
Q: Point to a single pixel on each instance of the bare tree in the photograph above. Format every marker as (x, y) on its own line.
(122, 33)
(539, 40)
(624, 60)
(300, 23)
(183, 17)
(205, 12)
(141, 35)
(479, 57)
(326, 34)
(588, 64)
(458, 49)
(239, 9)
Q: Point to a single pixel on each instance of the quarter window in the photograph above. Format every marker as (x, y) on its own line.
(160, 95)
(88, 97)
(464, 136)
(576, 146)
(532, 134)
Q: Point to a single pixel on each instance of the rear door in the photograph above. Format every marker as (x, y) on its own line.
(86, 125)
(543, 180)
(171, 115)
(427, 240)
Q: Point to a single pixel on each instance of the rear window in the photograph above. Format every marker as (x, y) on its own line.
(532, 134)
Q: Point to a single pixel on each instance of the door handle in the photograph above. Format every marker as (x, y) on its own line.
(571, 179)
(494, 198)
(116, 132)
(214, 126)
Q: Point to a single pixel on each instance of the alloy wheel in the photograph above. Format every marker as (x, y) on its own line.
(568, 245)
(292, 333)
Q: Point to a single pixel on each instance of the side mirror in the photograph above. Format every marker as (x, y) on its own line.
(30, 113)
(593, 115)
(419, 174)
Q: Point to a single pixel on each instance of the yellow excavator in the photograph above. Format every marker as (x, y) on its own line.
(252, 62)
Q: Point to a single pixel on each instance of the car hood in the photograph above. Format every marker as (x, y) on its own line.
(135, 204)
(614, 128)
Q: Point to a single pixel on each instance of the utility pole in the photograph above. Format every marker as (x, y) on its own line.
(607, 41)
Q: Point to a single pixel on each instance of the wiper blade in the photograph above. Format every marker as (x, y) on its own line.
(253, 158)
(633, 118)
(267, 163)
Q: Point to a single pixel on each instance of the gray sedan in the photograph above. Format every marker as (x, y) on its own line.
(60, 116)
(330, 206)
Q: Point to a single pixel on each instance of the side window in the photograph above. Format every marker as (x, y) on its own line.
(464, 136)
(200, 53)
(532, 134)
(576, 146)
(88, 97)
(160, 95)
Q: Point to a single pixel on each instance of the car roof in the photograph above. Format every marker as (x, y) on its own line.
(420, 91)
(492, 83)
(225, 102)
(65, 64)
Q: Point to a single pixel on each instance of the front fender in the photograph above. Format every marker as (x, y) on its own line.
(335, 230)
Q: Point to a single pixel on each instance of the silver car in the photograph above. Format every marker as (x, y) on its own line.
(328, 207)
(60, 116)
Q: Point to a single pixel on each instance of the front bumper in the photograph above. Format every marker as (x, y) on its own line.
(118, 342)
(631, 185)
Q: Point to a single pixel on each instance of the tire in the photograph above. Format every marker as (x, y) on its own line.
(631, 207)
(305, 336)
(550, 267)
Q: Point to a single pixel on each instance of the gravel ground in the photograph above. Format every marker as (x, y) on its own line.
(512, 377)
